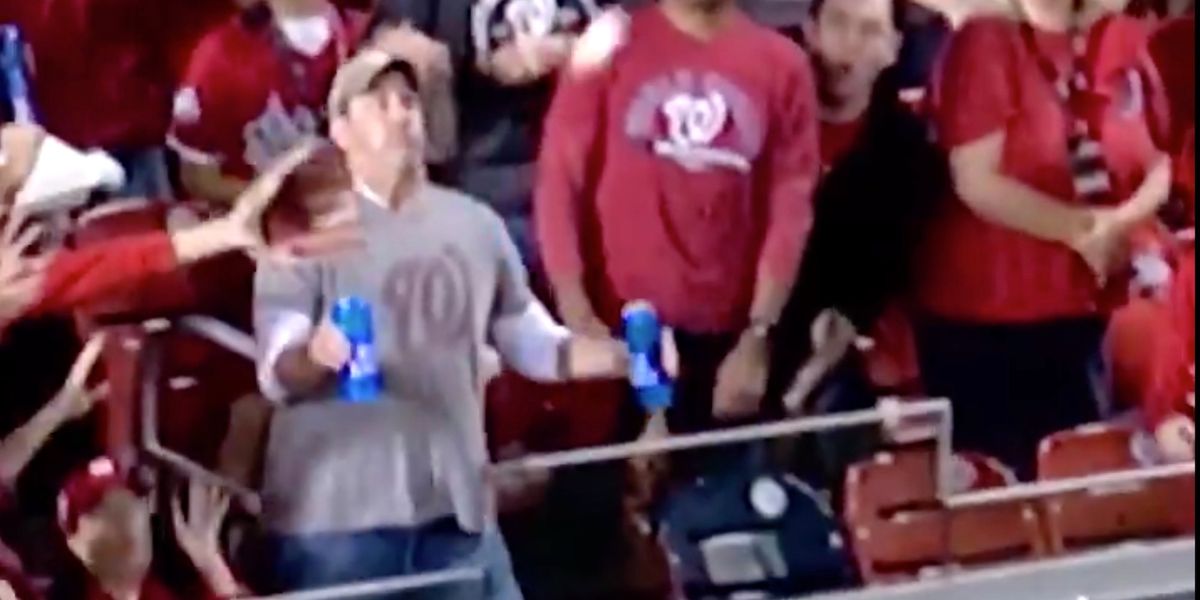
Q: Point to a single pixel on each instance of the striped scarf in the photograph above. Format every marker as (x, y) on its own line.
(1089, 170)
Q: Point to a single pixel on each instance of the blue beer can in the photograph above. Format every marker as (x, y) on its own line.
(360, 379)
(14, 77)
(643, 337)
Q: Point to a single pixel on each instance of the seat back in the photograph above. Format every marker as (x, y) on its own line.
(899, 527)
(1106, 514)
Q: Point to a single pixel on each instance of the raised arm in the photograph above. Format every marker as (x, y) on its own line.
(73, 401)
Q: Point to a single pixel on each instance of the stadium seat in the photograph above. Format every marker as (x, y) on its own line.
(899, 527)
(1104, 515)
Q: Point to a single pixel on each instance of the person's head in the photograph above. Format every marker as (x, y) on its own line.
(106, 523)
(1060, 15)
(375, 112)
(852, 42)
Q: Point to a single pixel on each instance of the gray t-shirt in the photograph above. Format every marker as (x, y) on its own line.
(437, 272)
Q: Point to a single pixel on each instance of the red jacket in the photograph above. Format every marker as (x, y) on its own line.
(1152, 346)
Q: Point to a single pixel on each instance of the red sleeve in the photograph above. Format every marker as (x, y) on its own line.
(975, 85)
(792, 166)
(204, 126)
(82, 276)
(567, 164)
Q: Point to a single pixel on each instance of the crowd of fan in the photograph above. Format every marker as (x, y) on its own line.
(998, 197)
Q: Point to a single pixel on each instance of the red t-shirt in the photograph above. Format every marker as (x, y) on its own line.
(974, 270)
(681, 171)
(100, 74)
(1152, 347)
(837, 139)
(246, 97)
(1173, 48)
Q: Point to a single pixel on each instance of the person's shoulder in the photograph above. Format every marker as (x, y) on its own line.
(987, 28)
(782, 51)
(463, 205)
(231, 40)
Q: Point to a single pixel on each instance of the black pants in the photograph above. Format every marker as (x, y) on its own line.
(1012, 385)
(585, 503)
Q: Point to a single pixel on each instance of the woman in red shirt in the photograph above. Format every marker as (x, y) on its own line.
(1048, 126)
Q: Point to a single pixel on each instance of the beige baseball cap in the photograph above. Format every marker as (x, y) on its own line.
(357, 75)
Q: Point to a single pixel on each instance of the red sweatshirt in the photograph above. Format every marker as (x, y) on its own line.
(681, 172)
(1152, 345)
(77, 277)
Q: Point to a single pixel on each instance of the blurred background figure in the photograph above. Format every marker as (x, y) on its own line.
(881, 177)
(254, 86)
(504, 56)
(103, 72)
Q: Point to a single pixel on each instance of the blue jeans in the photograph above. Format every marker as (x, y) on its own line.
(145, 173)
(320, 560)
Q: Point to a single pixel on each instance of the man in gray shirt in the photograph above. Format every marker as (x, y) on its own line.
(357, 491)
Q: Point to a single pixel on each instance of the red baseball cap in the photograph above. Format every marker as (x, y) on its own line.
(85, 490)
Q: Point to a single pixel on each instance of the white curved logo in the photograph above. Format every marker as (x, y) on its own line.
(693, 125)
(695, 120)
(532, 18)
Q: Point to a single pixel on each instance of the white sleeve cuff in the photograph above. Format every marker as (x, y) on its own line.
(529, 342)
(192, 155)
(283, 329)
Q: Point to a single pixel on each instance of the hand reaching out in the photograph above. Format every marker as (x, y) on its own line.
(246, 218)
(75, 399)
(21, 276)
(199, 535)
(741, 380)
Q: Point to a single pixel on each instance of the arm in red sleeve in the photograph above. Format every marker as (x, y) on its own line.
(566, 170)
(791, 168)
(77, 277)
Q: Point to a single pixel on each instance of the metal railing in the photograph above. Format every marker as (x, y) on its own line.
(938, 409)
(389, 585)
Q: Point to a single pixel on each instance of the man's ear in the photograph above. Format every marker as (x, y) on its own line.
(339, 132)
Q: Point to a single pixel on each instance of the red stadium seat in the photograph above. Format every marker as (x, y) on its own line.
(1103, 515)
(899, 528)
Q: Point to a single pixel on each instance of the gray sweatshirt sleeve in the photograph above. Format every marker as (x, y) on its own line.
(287, 305)
(528, 339)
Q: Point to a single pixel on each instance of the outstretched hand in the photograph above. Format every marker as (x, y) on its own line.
(198, 534)
(246, 218)
(75, 398)
(21, 275)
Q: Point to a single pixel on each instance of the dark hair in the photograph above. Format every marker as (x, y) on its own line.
(899, 12)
